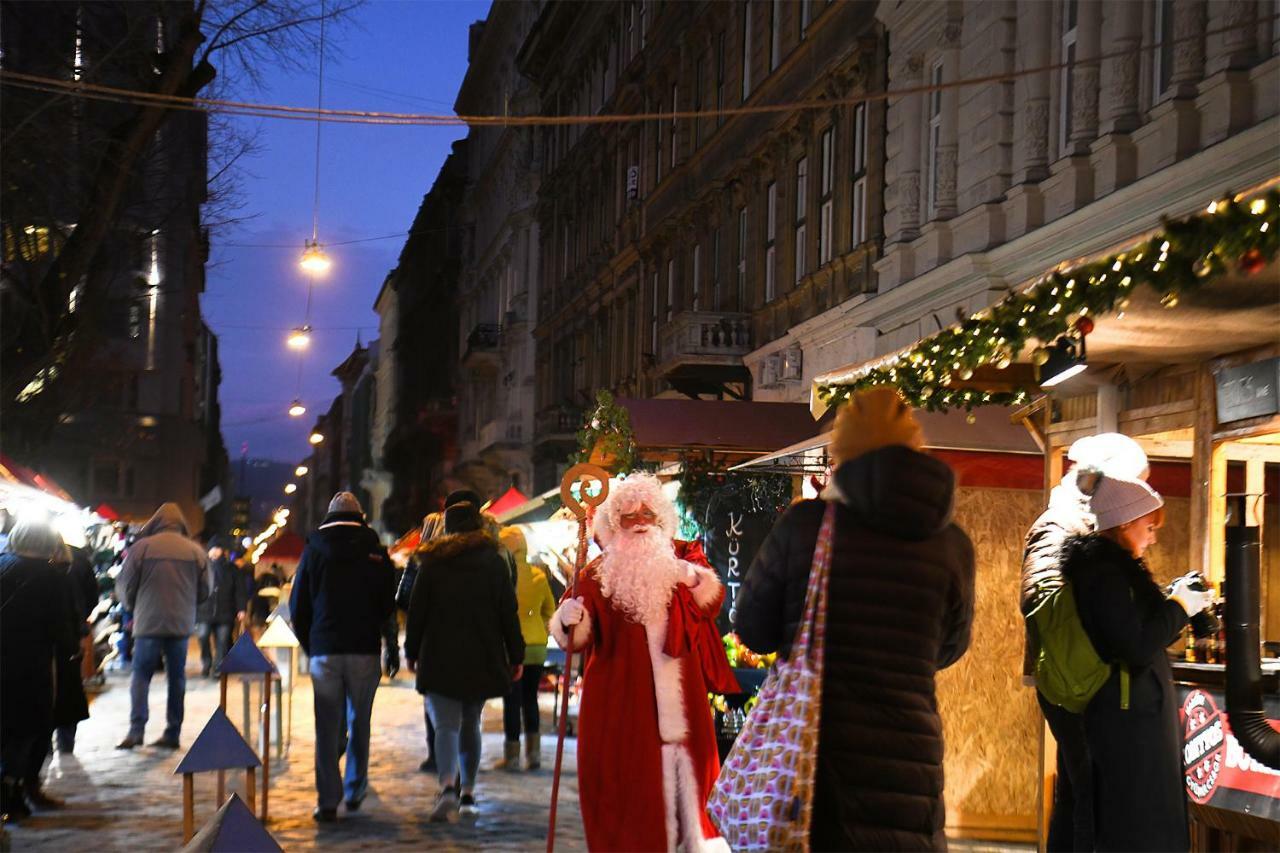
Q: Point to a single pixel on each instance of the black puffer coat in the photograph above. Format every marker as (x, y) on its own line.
(1140, 802)
(37, 629)
(463, 626)
(900, 607)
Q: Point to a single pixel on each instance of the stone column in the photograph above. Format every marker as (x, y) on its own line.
(1118, 90)
(1031, 155)
(903, 193)
(1188, 52)
(1234, 48)
(1084, 78)
(948, 149)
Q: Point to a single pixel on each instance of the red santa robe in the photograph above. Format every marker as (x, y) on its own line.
(645, 688)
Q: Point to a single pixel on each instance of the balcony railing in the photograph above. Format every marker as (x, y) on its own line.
(705, 337)
(482, 343)
(557, 423)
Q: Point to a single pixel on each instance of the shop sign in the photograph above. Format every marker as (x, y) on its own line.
(1216, 769)
(1248, 391)
(733, 536)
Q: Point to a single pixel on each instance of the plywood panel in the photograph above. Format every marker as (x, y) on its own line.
(990, 721)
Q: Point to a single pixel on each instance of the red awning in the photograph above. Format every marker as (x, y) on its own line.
(286, 548)
(108, 512)
(727, 425)
(511, 499)
(407, 543)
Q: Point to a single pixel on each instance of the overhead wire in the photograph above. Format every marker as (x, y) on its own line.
(374, 117)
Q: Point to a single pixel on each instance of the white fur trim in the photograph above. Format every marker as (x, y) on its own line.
(667, 687)
(581, 632)
(683, 812)
(626, 494)
(708, 588)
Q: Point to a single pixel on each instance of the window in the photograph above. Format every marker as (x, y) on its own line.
(644, 22)
(135, 320)
(1162, 56)
(858, 204)
(802, 230)
(1070, 15)
(935, 135)
(653, 319)
(806, 15)
(719, 79)
(699, 80)
(628, 33)
(827, 181)
(746, 49)
(775, 33)
(77, 58)
(742, 259)
(675, 139)
(29, 243)
(657, 152)
(715, 270)
(697, 277)
(770, 243)
(671, 289)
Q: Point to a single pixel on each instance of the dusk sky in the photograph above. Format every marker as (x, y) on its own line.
(398, 55)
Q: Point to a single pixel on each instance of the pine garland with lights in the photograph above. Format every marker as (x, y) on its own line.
(1185, 255)
(703, 479)
(607, 428)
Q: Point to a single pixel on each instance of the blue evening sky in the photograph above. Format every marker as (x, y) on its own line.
(399, 56)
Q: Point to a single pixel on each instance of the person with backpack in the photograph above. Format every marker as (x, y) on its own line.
(899, 608)
(1131, 718)
(1071, 822)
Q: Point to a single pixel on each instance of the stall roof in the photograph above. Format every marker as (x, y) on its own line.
(991, 432)
(725, 425)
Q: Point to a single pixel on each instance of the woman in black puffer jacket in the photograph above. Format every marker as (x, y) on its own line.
(900, 606)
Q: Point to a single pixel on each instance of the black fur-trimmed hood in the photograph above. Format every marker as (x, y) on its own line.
(453, 544)
(1083, 556)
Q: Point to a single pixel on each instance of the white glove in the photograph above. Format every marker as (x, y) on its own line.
(1192, 600)
(690, 577)
(571, 612)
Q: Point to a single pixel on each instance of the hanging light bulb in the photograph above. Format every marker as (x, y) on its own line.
(296, 409)
(315, 438)
(289, 489)
(299, 338)
(314, 259)
(301, 471)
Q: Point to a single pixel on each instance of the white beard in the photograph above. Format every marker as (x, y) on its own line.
(639, 573)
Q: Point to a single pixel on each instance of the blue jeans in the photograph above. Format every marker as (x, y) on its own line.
(457, 738)
(343, 687)
(146, 658)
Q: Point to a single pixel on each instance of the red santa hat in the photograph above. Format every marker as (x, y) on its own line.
(627, 494)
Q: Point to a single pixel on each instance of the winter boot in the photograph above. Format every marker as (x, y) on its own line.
(510, 757)
(13, 802)
(532, 750)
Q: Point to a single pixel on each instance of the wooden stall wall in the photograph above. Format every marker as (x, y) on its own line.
(990, 720)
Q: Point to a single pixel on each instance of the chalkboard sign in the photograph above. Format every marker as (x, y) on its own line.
(1248, 391)
(733, 535)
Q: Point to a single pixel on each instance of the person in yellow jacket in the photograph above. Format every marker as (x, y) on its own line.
(536, 605)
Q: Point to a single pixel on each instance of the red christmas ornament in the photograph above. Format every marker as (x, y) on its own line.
(1252, 261)
(1084, 325)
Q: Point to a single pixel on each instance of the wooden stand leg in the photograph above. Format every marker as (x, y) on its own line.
(266, 743)
(278, 686)
(250, 780)
(188, 807)
(244, 684)
(222, 774)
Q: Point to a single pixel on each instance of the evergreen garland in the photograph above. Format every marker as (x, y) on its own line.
(1184, 256)
(702, 481)
(607, 427)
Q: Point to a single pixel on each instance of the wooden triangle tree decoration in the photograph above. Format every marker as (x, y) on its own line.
(219, 746)
(278, 636)
(245, 657)
(233, 829)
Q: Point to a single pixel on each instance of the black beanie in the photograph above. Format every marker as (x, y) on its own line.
(462, 495)
(462, 517)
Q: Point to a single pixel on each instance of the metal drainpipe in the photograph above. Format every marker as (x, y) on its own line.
(1244, 666)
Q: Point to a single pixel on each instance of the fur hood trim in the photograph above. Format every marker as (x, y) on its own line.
(453, 544)
(1095, 550)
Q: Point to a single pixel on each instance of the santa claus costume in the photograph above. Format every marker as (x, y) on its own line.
(645, 620)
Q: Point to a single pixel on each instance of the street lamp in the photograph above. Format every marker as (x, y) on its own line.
(290, 488)
(296, 409)
(299, 338)
(315, 438)
(301, 471)
(314, 260)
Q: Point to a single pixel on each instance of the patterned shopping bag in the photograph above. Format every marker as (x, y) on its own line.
(763, 799)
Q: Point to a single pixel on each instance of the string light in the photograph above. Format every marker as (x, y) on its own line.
(296, 409)
(290, 488)
(315, 438)
(301, 471)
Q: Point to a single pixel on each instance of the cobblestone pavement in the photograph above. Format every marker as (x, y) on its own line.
(131, 801)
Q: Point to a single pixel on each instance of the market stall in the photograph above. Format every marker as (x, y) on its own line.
(1170, 337)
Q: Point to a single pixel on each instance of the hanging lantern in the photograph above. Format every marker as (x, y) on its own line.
(299, 338)
(314, 259)
(296, 409)
(315, 438)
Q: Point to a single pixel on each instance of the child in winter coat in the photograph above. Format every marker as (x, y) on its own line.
(536, 604)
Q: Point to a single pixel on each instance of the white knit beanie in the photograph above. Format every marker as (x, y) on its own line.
(1118, 501)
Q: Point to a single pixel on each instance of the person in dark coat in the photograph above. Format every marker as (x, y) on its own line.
(343, 594)
(900, 607)
(71, 705)
(231, 595)
(37, 630)
(463, 639)
(1140, 801)
(1068, 515)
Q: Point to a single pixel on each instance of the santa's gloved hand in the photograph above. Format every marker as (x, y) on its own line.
(1193, 600)
(690, 576)
(571, 612)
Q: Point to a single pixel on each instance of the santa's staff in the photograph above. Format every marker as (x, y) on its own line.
(582, 473)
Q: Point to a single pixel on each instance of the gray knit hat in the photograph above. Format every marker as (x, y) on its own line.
(1117, 501)
(345, 502)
